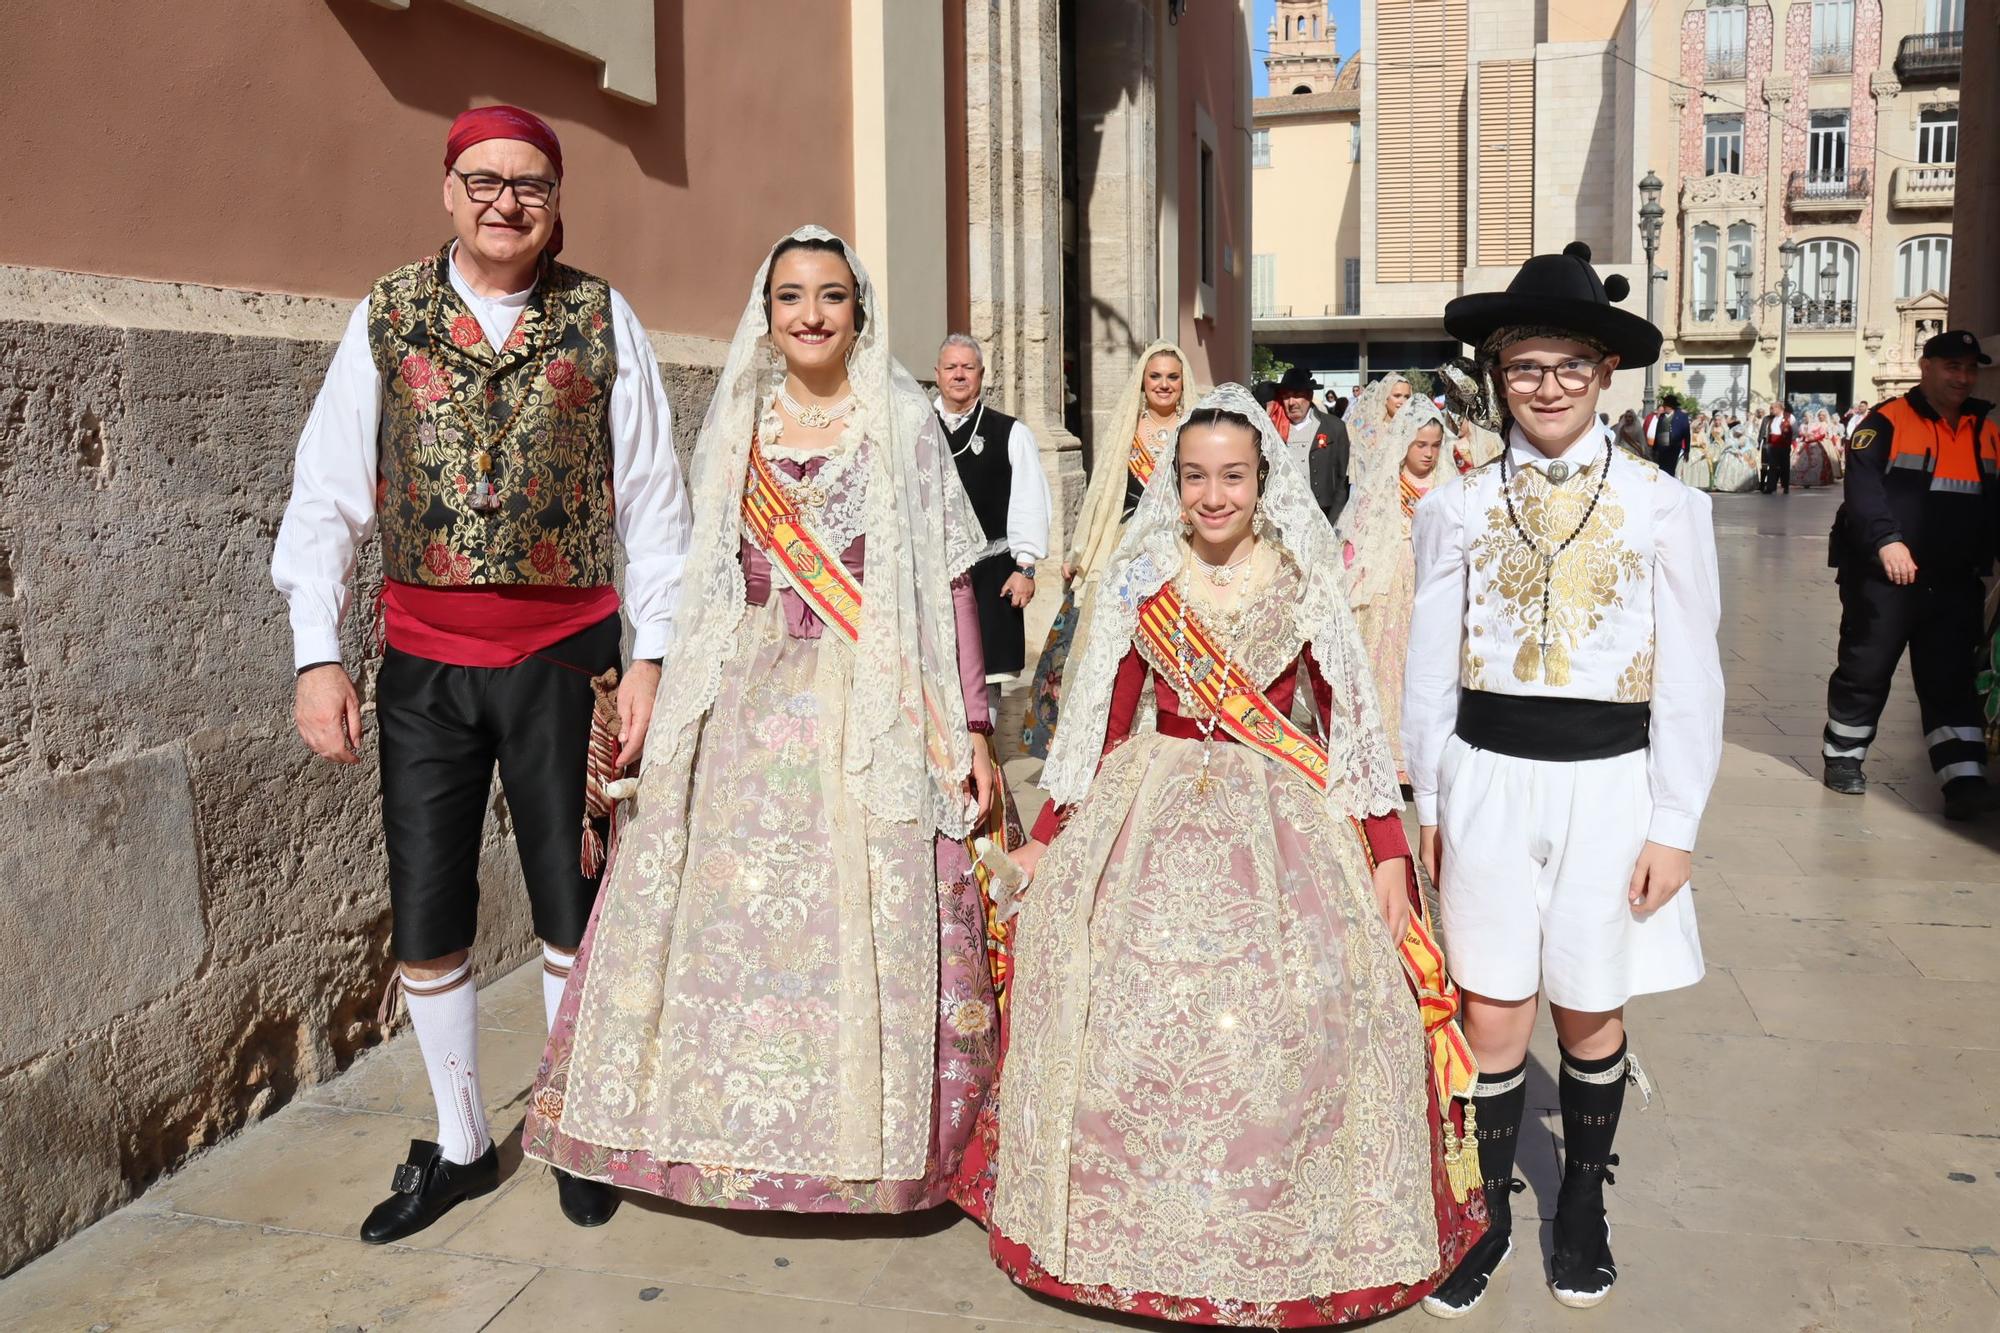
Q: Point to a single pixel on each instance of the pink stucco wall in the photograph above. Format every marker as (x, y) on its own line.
(295, 145)
(1214, 66)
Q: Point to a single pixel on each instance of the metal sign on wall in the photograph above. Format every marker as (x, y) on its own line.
(617, 34)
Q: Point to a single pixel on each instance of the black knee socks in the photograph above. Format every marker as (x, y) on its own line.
(1497, 1101)
(1593, 1094)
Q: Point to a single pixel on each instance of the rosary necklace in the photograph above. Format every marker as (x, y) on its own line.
(815, 416)
(1548, 558)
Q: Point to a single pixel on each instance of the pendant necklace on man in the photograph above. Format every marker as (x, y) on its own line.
(815, 416)
(482, 498)
(1548, 558)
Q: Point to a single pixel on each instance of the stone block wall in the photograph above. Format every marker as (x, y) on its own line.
(196, 913)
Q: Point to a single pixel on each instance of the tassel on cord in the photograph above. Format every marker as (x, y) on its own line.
(1461, 1154)
(600, 769)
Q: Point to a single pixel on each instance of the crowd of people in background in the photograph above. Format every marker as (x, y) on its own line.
(1770, 450)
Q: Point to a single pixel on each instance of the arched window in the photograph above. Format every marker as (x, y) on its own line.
(1923, 265)
(1742, 268)
(1826, 277)
(1302, 89)
(1704, 273)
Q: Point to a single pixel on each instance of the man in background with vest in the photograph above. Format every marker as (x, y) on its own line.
(501, 418)
(1001, 467)
(1917, 533)
(1776, 432)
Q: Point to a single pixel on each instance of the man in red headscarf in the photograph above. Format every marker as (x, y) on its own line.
(501, 419)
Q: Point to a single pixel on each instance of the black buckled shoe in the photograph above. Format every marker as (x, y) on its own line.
(427, 1187)
(1465, 1286)
(588, 1203)
(1844, 776)
(1581, 1272)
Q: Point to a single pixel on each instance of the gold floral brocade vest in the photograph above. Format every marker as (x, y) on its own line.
(531, 418)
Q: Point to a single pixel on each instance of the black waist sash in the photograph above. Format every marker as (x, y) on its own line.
(1531, 726)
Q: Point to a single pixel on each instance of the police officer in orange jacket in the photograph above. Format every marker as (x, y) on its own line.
(1917, 532)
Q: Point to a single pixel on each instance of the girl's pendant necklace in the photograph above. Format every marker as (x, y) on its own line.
(815, 416)
(1554, 671)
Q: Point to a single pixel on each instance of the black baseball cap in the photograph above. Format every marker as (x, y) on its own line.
(1954, 343)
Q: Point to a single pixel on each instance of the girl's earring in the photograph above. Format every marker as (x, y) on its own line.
(1187, 525)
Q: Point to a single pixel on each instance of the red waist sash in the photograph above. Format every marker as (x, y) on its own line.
(487, 627)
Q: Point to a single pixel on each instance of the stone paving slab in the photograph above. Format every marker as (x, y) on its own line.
(1823, 1154)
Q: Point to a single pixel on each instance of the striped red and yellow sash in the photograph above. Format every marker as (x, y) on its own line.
(1248, 715)
(785, 537)
(1410, 494)
(1141, 461)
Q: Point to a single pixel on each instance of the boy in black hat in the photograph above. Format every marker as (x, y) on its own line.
(1562, 723)
(1320, 437)
(1918, 530)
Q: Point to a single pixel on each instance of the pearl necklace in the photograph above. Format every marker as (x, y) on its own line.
(815, 416)
(1223, 575)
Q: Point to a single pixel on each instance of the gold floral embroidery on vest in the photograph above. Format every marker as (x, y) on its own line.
(1588, 577)
(1635, 683)
(495, 465)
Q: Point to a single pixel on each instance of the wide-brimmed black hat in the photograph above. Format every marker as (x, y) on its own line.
(1560, 294)
(1298, 380)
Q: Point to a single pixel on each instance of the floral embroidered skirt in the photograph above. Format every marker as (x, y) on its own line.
(781, 1002)
(1045, 690)
(1385, 635)
(1215, 1105)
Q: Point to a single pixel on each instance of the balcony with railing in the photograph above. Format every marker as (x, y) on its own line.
(1726, 64)
(1832, 58)
(1708, 322)
(1810, 316)
(1828, 191)
(1928, 56)
(1934, 186)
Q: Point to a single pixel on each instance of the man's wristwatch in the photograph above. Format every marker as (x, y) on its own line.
(1026, 571)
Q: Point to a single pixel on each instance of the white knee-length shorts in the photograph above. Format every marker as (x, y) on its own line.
(1538, 858)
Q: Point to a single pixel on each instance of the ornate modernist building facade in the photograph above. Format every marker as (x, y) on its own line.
(1810, 159)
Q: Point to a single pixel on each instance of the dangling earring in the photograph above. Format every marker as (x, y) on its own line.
(1259, 523)
(1187, 525)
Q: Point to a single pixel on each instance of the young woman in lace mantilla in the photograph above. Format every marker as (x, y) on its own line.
(1218, 1104)
(783, 1000)
(1155, 401)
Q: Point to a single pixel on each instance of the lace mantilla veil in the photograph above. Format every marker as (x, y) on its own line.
(922, 533)
(1104, 500)
(1373, 519)
(1361, 777)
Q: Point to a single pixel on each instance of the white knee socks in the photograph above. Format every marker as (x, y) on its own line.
(555, 975)
(445, 1013)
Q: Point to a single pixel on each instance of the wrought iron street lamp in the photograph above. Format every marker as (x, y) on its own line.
(1650, 215)
(1786, 296)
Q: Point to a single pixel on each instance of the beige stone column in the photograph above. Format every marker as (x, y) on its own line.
(1014, 164)
(899, 192)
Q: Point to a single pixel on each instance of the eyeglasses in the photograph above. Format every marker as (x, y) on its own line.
(1527, 377)
(483, 187)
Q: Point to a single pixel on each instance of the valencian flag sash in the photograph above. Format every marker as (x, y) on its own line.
(1243, 710)
(822, 580)
(1141, 460)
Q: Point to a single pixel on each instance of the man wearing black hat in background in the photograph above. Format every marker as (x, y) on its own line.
(1917, 532)
(1320, 437)
(1562, 724)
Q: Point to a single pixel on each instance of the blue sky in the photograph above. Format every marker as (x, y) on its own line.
(1347, 27)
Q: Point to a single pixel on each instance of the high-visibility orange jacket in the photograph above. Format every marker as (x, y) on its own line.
(1913, 479)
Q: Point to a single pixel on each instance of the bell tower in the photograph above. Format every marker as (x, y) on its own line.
(1305, 54)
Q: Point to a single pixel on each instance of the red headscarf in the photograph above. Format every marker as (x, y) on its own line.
(507, 122)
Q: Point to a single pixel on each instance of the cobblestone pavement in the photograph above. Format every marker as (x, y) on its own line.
(1824, 1152)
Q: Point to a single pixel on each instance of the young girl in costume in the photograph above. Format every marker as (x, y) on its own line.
(1222, 1098)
